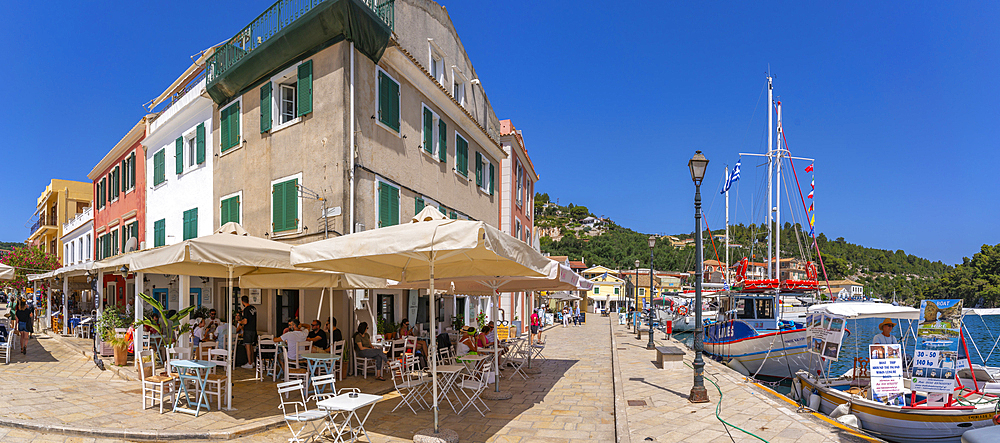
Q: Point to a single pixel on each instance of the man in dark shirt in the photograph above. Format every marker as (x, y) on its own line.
(249, 323)
(335, 334)
(318, 336)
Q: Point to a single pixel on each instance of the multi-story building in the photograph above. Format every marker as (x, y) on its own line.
(324, 127)
(516, 193)
(119, 189)
(61, 201)
(78, 238)
(180, 204)
(608, 290)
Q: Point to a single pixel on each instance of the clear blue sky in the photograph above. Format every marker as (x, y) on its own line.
(899, 104)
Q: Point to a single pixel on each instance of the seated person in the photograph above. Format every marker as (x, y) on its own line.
(885, 337)
(466, 343)
(483, 339)
(318, 337)
(335, 333)
(406, 331)
(292, 337)
(199, 332)
(363, 347)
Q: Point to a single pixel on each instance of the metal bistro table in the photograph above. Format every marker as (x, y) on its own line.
(195, 371)
(349, 405)
(319, 361)
(448, 375)
(473, 361)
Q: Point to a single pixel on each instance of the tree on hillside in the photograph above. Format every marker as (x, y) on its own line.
(976, 280)
(579, 212)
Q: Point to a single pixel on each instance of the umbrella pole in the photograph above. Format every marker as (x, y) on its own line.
(496, 338)
(329, 338)
(230, 345)
(434, 350)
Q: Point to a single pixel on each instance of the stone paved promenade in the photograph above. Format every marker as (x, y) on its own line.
(656, 406)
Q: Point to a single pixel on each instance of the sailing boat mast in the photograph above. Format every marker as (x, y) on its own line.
(770, 175)
(777, 206)
(728, 282)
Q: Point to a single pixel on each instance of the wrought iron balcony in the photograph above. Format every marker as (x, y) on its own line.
(43, 220)
(299, 20)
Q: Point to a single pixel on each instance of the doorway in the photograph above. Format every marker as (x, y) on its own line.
(161, 295)
(195, 299)
(288, 308)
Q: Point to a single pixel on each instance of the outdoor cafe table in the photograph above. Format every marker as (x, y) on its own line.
(349, 405)
(319, 361)
(197, 372)
(473, 361)
(448, 374)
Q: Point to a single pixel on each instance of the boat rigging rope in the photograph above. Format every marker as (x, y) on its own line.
(988, 356)
(974, 345)
(718, 407)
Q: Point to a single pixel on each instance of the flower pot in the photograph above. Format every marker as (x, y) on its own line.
(121, 356)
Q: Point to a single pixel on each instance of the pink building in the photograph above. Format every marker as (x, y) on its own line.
(516, 193)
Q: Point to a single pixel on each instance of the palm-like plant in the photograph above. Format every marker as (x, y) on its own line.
(175, 327)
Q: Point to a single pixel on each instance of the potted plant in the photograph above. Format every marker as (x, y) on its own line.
(481, 321)
(111, 319)
(457, 322)
(168, 335)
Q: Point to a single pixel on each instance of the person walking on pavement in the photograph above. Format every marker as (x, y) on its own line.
(23, 318)
(565, 316)
(535, 326)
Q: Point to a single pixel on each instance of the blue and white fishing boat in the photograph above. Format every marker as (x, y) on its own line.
(751, 338)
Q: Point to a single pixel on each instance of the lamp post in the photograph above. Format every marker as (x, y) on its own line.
(699, 394)
(652, 242)
(637, 314)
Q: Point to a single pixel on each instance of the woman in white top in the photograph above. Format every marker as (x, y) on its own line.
(466, 344)
(199, 331)
(885, 337)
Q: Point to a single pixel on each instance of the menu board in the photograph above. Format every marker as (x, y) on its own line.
(938, 336)
(825, 334)
(886, 368)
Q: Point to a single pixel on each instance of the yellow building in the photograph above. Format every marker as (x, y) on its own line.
(608, 291)
(61, 201)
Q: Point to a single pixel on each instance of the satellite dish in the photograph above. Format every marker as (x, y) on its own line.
(130, 244)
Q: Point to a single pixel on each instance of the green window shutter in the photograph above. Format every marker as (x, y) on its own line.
(114, 245)
(388, 205)
(135, 232)
(265, 107)
(234, 125)
(304, 88)
(597, 289)
(479, 169)
(388, 100)
(230, 210)
(461, 156)
(190, 223)
(200, 143)
(223, 130)
(277, 207)
(453, 215)
(159, 236)
(124, 180)
(131, 171)
(179, 144)
(418, 205)
(223, 211)
(428, 130)
(442, 140)
(491, 178)
(159, 167)
(291, 205)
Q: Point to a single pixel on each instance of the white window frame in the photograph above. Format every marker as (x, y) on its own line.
(519, 186)
(399, 102)
(298, 228)
(458, 82)
(111, 173)
(435, 133)
(485, 188)
(190, 140)
(239, 130)
(435, 62)
(125, 176)
(240, 195)
(289, 76)
(468, 171)
(399, 210)
(517, 230)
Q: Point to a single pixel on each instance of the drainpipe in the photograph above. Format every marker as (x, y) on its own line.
(350, 229)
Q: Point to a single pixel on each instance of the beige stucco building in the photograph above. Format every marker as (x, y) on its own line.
(296, 110)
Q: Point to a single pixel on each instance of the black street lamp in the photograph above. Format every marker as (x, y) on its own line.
(652, 242)
(699, 394)
(637, 316)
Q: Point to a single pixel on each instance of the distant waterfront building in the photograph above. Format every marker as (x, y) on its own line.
(59, 202)
(516, 193)
(78, 238)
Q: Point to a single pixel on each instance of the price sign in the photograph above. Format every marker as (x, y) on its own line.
(924, 358)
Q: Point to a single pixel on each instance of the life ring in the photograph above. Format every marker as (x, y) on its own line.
(682, 311)
(996, 419)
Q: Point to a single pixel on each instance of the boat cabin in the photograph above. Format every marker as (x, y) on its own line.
(756, 310)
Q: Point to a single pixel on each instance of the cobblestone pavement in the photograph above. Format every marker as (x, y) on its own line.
(665, 415)
(570, 401)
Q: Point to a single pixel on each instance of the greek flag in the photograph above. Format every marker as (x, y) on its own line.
(733, 176)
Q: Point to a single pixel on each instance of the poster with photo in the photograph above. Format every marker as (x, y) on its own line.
(886, 369)
(936, 354)
(825, 334)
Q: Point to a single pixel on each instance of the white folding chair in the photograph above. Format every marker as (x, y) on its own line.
(362, 363)
(6, 346)
(517, 356)
(296, 411)
(301, 348)
(292, 373)
(216, 384)
(338, 354)
(407, 385)
(204, 347)
(324, 386)
(154, 387)
(472, 386)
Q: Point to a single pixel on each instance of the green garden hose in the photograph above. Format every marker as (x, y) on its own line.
(718, 407)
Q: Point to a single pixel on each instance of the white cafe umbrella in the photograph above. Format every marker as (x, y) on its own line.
(558, 277)
(430, 246)
(227, 253)
(6, 272)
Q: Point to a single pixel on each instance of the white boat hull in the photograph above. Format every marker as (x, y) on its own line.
(777, 354)
(686, 323)
(896, 424)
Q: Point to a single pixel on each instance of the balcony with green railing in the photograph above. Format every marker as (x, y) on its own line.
(290, 28)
